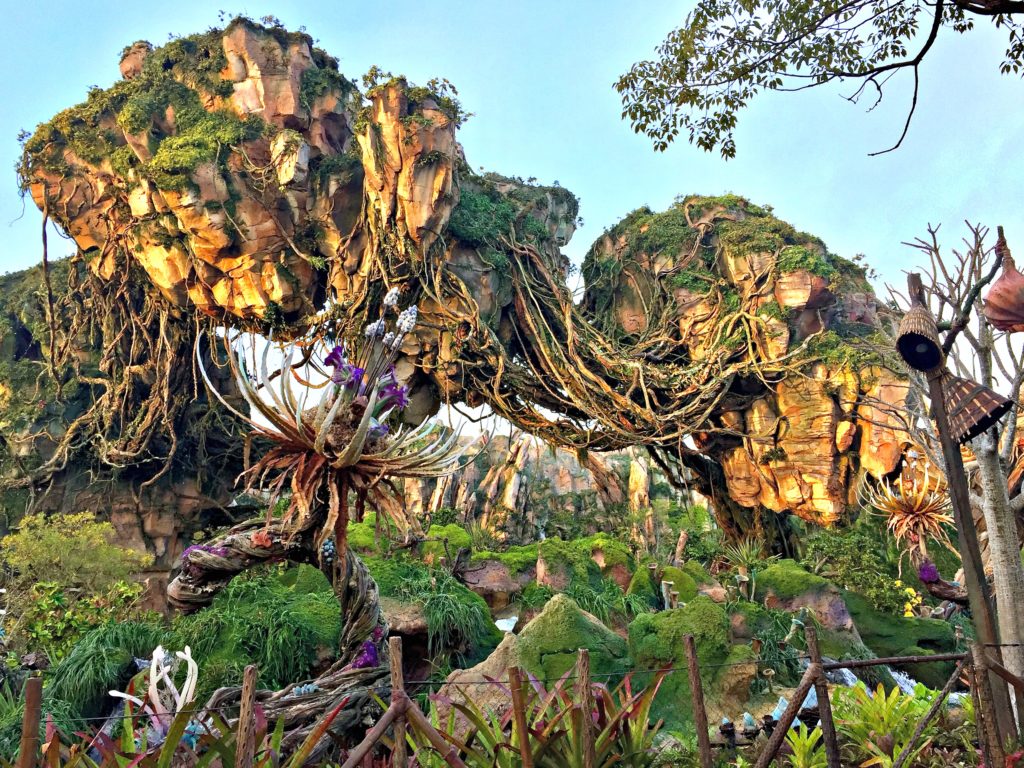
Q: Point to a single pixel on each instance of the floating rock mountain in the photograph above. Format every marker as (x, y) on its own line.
(238, 178)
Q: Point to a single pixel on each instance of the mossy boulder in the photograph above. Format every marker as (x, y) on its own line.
(656, 641)
(548, 645)
(888, 635)
(786, 579)
(519, 559)
(642, 584)
(362, 536)
(559, 563)
(697, 572)
(611, 556)
(453, 535)
(682, 582)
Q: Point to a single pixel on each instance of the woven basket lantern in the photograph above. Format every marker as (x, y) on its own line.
(918, 339)
(973, 407)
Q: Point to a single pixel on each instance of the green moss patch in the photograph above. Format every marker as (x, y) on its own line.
(656, 641)
(697, 572)
(548, 645)
(786, 580)
(888, 635)
(455, 536)
(682, 582)
(517, 559)
(642, 585)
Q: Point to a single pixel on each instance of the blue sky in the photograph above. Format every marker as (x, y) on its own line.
(538, 76)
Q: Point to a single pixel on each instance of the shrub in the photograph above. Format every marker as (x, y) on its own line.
(74, 550)
(67, 576)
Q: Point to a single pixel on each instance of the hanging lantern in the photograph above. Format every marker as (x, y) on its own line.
(973, 407)
(918, 339)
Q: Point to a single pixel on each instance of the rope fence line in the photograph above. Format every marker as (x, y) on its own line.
(438, 683)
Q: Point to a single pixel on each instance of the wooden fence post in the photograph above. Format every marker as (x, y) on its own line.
(700, 715)
(245, 755)
(828, 726)
(783, 726)
(585, 696)
(400, 754)
(515, 682)
(27, 752)
(940, 700)
(991, 742)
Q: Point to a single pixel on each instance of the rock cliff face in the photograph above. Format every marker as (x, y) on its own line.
(251, 182)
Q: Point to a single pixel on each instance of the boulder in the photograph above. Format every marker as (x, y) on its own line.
(656, 641)
(548, 645)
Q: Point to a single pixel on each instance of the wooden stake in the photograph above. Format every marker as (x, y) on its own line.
(779, 734)
(700, 715)
(585, 697)
(245, 755)
(515, 682)
(447, 751)
(904, 755)
(992, 744)
(978, 593)
(28, 751)
(400, 753)
(828, 726)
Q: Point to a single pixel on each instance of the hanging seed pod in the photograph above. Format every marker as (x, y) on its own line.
(1004, 305)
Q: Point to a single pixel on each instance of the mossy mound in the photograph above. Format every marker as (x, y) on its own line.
(548, 645)
(458, 620)
(362, 536)
(570, 558)
(682, 582)
(517, 559)
(888, 635)
(642, 584)
(786, 580)
(697, 572)
(613, 551)
(656, 642)
(454, 535)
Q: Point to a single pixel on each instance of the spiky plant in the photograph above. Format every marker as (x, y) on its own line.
(326, 410)
(917, 508)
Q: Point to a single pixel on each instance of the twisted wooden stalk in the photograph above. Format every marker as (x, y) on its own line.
(359, 673)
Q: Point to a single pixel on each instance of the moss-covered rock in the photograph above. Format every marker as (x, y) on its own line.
(559, 563)
(642, 584)
(786, 580)
(656, 641)
(548, 645)
(362, 536)
(453, 535)
(697, 572)
(682, 582)
(519, 559)
(888, 635)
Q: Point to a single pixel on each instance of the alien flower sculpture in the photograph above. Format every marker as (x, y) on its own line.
(163, 700)
(327, 411)
(917, 506)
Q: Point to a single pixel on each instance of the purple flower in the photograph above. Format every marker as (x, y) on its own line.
(367, 656)
(335, 357)
(355, 379)
(395, 394)
(928, 573)
(378, 430)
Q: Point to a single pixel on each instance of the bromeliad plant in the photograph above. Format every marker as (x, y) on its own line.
(331, 430)
(623, 733)
(917, 508)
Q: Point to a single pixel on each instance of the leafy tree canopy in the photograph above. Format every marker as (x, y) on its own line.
(728, 51)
